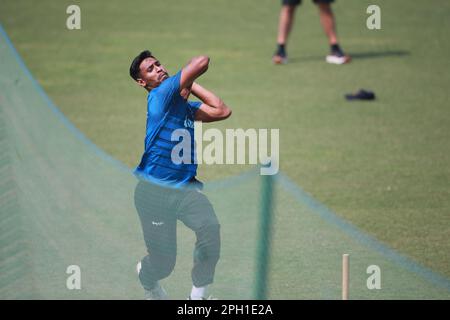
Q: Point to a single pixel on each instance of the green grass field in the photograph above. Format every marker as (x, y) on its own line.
(384, 166)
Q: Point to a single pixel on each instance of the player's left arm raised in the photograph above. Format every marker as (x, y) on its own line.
(212, 107)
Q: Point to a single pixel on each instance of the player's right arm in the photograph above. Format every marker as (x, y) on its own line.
(182, 82)
(194, 69)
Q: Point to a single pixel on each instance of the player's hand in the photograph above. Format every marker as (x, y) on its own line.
(186, 92)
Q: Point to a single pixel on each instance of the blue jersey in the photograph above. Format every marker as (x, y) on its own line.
(167, 111)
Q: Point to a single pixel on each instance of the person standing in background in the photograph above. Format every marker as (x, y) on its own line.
(336, 56)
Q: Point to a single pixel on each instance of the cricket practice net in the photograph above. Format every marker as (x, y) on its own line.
(64, 202)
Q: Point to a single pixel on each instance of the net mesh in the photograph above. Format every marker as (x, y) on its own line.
(64, 202)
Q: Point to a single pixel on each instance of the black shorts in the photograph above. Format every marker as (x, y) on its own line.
(297, 2)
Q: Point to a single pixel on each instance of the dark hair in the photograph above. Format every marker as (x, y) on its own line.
(134, 68)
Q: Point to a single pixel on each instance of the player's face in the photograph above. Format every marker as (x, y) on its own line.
(152, 73)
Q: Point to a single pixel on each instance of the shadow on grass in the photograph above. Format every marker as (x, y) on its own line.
(356, 56)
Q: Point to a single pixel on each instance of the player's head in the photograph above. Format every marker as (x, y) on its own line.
(147, 71)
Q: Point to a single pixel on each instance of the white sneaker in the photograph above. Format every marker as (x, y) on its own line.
(157, 293)
(335, 59)
(209, 298)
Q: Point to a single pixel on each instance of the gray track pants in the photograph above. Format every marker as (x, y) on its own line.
(159, 209)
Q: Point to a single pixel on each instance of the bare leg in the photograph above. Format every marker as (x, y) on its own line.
(284, 29)
(328, 22)
(285, 23)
